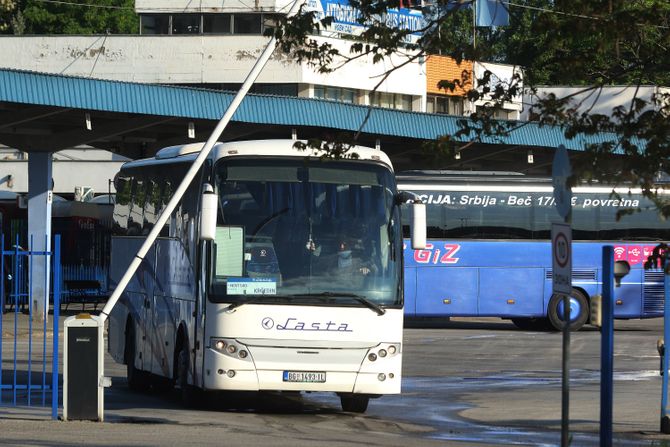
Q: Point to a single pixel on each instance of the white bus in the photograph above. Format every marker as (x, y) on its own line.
(299, 289)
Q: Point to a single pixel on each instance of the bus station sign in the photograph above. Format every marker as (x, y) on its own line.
(561, 257)
(346, 18)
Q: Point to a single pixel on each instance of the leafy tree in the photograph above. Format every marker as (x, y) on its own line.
(6, 9)
(79, 17)
(589, 43)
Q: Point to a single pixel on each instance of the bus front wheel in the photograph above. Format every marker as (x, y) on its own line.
(137, 379)
(354, 403)
(578, 311)
(188, 393)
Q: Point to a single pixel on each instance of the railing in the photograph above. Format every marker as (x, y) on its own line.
(29, 349)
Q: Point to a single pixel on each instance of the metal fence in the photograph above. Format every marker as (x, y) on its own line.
(29, 348)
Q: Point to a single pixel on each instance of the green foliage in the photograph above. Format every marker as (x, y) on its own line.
(589, 43)
(7, 8)
(334, 147)
(89, 17)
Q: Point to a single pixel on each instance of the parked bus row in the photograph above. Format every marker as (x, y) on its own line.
(294, 282)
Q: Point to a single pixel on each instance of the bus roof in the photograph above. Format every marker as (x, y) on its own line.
(501, 181)
(468, 177)
(280, 148)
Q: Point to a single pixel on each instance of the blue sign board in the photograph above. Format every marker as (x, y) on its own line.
(345, 17)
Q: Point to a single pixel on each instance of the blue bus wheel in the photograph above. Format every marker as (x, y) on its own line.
(579, 311)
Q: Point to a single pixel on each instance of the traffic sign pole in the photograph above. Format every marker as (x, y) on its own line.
(562, 284)
(607, 348)
(561, 171)
(565, 383)
(665, 353)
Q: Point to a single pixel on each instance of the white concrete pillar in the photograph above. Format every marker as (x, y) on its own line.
(40, 196)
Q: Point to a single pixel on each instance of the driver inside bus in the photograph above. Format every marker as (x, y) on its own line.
(348, 263)
(341, 259)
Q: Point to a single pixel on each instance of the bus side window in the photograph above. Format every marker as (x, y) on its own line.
(123, 185)
(166, 195)
(136, 214)
(405, 217)
(152, 205)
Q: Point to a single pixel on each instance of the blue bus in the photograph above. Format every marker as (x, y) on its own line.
(488, 251)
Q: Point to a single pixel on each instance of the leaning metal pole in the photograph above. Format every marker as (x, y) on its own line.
(193, 170)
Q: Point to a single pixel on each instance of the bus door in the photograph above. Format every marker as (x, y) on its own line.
(410, 291)
(446, 290)
(199, 313)
(511, 291)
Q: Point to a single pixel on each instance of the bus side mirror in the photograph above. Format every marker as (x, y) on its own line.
(621, 269)
(208, 214)
(418, 225)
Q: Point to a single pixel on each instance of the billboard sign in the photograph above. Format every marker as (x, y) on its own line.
(345, 17)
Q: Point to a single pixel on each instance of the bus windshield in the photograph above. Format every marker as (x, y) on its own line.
(313, 232)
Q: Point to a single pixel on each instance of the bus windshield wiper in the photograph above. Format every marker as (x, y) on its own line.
(360, 298)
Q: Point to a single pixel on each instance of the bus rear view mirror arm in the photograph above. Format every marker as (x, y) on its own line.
(406, 197)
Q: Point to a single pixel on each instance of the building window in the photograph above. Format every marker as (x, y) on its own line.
(335, 93)
(186, 24)
(216, 24)
(446, 105)
(247, 23)
(275, 89)
(206, 23)
(391, 100)
(497, 113)
(155, 24)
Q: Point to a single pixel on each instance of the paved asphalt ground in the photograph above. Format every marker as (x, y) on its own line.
(466, 383)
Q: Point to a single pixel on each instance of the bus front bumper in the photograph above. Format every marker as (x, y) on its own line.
(383, 376)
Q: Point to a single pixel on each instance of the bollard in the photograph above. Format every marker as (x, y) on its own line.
(83, 382)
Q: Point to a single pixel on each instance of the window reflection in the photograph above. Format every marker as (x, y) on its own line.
(529, 215)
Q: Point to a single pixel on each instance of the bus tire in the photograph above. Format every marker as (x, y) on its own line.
(161, 384)
(578, 301)
(137, 379)
(354, 403)
(187, 393)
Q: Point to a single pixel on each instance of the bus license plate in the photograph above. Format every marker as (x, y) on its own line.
(304, 376)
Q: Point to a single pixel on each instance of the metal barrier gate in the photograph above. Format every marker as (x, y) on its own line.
(29, 353)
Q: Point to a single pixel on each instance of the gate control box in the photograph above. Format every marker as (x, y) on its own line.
(83, 381)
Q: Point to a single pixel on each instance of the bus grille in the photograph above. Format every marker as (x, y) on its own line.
(577, 275)
(652, 292)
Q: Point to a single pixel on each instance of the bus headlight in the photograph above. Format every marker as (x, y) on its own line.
(230, 348)
(383, 351)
